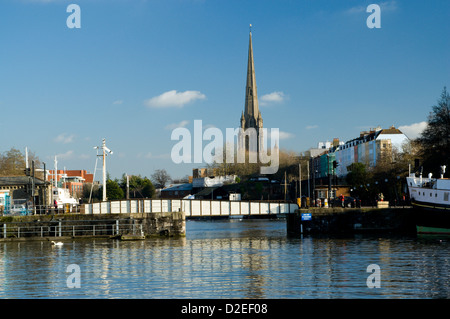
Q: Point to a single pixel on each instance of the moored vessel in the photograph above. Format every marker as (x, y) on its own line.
(430, 198)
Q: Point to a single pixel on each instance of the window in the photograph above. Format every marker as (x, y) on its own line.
(446, 196)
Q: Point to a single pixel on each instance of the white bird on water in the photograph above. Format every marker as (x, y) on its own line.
(57, 243)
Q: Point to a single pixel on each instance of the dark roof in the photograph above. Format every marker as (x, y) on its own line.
(182, 187)
(207, 191)
(391, 130)
(19, 180)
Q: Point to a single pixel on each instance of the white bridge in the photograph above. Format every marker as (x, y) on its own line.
(192, 207)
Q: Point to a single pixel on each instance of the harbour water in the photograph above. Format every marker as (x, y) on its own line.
(228, 259)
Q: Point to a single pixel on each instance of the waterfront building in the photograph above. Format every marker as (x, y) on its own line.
(329, 165)
(19, 189)
(323, 147)
(368, 148)
(251, 116)
(73, 180)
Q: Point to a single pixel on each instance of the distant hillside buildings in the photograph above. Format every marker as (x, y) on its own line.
(334, 158)
(329, 162)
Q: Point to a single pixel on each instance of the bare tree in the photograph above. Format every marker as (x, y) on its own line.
(12, 162)
(160, 178)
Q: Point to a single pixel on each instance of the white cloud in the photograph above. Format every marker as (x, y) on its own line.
(388, 6)
(310, 127)
(176, 125)
(65, 156)
(64, 138)
(174, 99)
(414, 130)
(118, 102)
(274, 97)
(285, 135)
(356, 10)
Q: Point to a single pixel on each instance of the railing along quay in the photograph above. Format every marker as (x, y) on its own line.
(68, 228)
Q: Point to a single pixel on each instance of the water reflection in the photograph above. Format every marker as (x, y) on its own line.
(248, 259)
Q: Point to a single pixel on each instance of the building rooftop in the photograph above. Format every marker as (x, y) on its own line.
(19, 180)
(180, 187)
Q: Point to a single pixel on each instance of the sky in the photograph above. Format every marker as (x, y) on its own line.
(135, 70)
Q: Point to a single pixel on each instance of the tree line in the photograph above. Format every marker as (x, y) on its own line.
(137, 186)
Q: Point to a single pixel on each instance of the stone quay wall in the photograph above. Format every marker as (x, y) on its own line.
(352, 220)
(65, 226)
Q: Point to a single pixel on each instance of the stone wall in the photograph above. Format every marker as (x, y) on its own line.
(81, 225)
(350, 221)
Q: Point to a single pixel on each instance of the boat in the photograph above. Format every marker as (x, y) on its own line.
(62, 197)
(430, 198)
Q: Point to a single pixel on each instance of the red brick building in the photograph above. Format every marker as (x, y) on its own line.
(73, 180)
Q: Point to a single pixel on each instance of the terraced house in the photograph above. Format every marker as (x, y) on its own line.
(368, 148)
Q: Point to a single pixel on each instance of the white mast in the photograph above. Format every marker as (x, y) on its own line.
(26, 158)
(105, 149)
(56, 173)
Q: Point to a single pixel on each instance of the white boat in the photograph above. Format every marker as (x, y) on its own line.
(62, 197)
(431, 199)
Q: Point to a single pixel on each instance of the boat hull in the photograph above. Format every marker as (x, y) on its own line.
(432, 219)
(431, 201)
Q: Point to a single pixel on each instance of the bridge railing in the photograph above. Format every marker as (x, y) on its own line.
(191, 207)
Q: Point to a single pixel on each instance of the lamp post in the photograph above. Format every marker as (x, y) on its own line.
(104, 154)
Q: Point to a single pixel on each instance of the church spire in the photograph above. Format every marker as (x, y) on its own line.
(251, 117)
(251, 96)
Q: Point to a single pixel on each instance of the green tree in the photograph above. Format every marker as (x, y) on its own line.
(140, 187)
(435, 139)
(358, 178)
(148, 190)
(357, 174)
(113, 190)
(96, 195)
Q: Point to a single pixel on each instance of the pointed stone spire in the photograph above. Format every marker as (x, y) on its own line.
(251, 96)
(242, 120)
(251, 117)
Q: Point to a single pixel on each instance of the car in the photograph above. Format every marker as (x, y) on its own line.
(18, 209)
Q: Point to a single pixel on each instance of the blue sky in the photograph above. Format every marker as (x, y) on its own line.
(137, 69)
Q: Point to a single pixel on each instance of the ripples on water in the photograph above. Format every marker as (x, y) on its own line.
(228, 259)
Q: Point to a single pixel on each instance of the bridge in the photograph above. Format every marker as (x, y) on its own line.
(193, 207)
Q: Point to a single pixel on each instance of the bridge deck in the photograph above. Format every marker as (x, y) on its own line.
(192, 207)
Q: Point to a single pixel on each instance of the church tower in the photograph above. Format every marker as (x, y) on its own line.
(251, 117)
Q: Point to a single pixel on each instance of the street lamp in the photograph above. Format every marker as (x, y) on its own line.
(105, 150)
